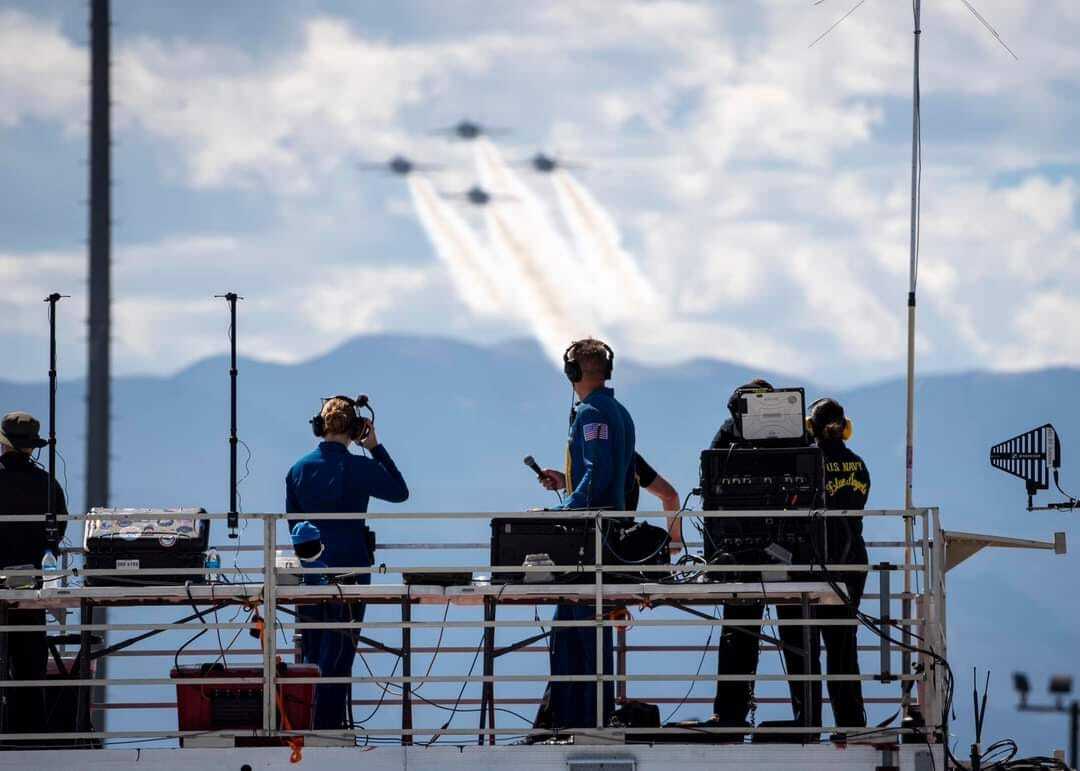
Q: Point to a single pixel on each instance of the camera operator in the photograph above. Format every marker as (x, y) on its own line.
(330, 479)
(599, 456)
(739, 645)
(24, 489)
(847, 487)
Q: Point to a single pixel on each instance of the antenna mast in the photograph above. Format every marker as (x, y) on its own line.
(916, 173)
(97, 429)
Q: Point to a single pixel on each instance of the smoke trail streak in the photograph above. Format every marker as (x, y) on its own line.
(556, 275)
(472, 269)
(599, 245)
(553, 327)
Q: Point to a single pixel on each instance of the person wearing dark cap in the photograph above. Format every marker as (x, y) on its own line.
(847, 488)
(24, 489)
(738, 651)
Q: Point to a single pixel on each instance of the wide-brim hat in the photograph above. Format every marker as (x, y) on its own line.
(22, 431)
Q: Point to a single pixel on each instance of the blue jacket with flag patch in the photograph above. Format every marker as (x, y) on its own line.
(600, 453)
(331, 479)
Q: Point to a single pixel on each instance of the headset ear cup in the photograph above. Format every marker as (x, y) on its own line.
(849, 429)
(318, 427)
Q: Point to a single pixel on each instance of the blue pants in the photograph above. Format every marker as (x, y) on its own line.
(334, 650)
(573, 652)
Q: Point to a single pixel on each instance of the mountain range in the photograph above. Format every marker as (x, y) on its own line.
(458, 418)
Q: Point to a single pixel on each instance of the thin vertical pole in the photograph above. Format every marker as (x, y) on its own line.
(233, 515)
(51, 530)
(599, 615)
(269, 640)
(1074, 729)
(916, 161)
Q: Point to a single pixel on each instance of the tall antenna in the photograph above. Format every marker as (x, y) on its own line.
(97, 427)
(913, 277)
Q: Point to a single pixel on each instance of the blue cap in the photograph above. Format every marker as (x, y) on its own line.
(305, 532)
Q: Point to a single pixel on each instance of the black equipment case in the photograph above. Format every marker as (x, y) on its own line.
(146, 538)
(762, 479)
(573, 542)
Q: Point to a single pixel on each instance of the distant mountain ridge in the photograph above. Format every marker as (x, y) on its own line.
(458, 418)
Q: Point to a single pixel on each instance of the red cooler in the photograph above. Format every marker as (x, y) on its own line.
(226, 707)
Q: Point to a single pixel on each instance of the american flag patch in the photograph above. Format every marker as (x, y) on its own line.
(594, 431)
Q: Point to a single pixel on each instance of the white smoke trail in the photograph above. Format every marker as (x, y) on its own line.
(626, 292)
(556, 274)
(546, 312)
(471, 265)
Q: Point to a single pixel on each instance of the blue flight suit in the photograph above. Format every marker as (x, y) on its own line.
(600, 454)
(331, 479)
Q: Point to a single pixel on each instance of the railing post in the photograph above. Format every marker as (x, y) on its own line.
(599, 615)
(269, 629)
(884, 575)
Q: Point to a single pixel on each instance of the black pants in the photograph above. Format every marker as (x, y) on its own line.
(28, 658)
(739, 653)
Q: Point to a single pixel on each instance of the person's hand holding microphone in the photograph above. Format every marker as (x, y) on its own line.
(549, 478)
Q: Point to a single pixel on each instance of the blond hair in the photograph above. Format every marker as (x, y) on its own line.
(338, 415)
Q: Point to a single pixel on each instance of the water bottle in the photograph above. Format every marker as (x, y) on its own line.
(50, 567)
(212, 565)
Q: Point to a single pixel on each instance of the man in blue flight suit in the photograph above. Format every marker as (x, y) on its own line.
(330, 479)
(599, 465)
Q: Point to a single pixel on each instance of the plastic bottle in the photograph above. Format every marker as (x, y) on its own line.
(50, 567)
(212, 565)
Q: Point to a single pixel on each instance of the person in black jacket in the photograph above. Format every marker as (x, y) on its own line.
(847, 488)
(739, 647)
(24, 489)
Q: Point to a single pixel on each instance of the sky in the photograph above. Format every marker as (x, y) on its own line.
(759, 184)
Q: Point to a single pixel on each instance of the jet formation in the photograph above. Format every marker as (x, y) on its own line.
(466, 130)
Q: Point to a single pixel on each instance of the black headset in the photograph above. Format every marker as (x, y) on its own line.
(358, 426)
(572, 367)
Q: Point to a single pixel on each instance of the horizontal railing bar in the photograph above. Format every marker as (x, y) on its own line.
(401, 680)
(383, 568)
(464, 624)
(471, 732)
(423, 651)
(584, 569)
(452, 545)
(126, 705)
(560, 514)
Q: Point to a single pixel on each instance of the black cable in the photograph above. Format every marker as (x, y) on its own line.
(197, 635)
(461, 693)
(701, 663)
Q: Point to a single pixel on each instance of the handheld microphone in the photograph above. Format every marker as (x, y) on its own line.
(531, 463)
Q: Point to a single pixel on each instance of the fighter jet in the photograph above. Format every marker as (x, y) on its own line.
(546, 164)
(477, 196)
(399, 164)
(469, 130)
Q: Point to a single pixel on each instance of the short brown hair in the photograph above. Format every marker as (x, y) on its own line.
(338, 415)
(592, 356)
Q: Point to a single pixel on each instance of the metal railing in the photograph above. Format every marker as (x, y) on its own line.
(925, 626)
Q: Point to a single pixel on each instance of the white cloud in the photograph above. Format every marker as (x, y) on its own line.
(43, 75)
(763, 184)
